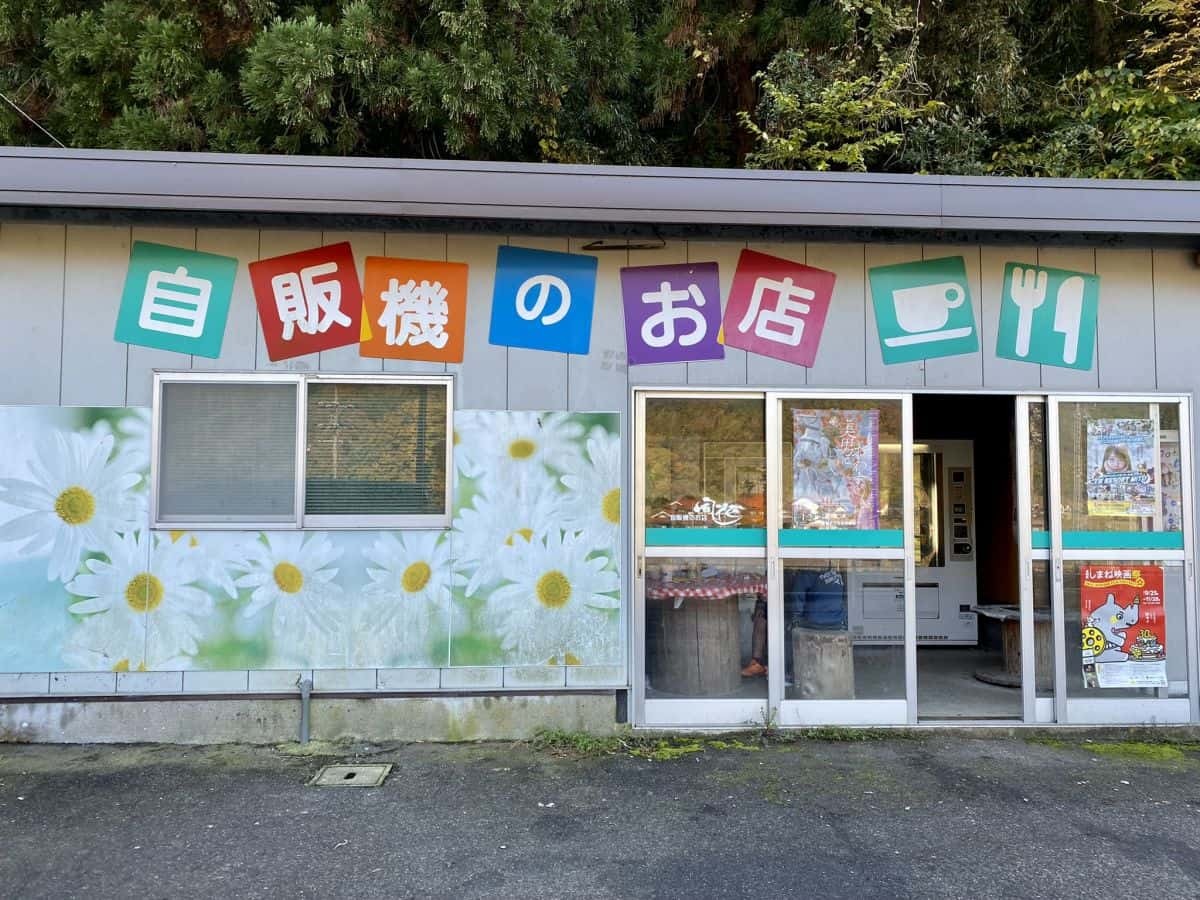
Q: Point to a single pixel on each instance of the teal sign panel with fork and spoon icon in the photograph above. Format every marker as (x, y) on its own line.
(1048, 316)
(923, 310)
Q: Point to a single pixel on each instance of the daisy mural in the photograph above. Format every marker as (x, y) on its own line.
(140, 605)
(557, 601)
(291, 581)
(524, 521)
(405, 621)
(528, 574)
(76, 496)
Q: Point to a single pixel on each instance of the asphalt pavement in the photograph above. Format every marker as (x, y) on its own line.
(939, 815)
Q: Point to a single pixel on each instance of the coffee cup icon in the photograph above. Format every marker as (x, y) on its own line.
(923, 312)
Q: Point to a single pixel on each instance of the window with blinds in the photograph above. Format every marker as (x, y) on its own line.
(227, 453)
(375, 449)
(297, 451)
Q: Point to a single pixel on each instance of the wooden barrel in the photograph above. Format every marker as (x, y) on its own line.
(696, 649)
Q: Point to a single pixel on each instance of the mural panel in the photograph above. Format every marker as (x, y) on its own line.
(528, 574)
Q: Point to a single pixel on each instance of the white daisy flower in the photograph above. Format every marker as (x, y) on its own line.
(514, 446)
(106, 644)
(77, 500)
(557, 601)
(288, 576)
(407, 599)
(593, 505)
(133, 431)
(505, 515)
(467, 447)
(216, 555)
(144, 610)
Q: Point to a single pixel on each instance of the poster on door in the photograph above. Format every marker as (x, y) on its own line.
(835, 468)
(1121, 478)
(1124, 618)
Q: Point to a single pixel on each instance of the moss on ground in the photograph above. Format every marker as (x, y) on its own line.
(1161, 750)
(661, 747)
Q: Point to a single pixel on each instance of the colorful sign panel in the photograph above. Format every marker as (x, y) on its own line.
(835, 468)
(672, 313)
(176, 299)
(923, 310)
(308, 301)
(1048, 316)
(543, 300)
(777, 307)
(414, 309)
(1121, 460)
(1124, 618)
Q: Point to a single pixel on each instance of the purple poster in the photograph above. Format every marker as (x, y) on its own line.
(672, 313)
(835, 468)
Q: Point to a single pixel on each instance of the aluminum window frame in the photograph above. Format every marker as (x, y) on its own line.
(299, 520)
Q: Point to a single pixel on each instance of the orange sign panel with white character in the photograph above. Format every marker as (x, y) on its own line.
(414, 309)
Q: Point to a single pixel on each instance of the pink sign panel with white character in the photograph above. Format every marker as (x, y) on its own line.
(777, 307)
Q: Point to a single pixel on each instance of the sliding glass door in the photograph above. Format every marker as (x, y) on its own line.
(1120, 490)
(701, 615)
(772, 569)
(840, 483)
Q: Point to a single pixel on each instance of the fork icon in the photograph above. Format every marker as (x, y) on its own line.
(1028, 291)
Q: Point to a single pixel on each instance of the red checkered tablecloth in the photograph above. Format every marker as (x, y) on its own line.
(705, 588)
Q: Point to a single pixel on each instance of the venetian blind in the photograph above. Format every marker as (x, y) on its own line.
(227, 452)
(376, 449)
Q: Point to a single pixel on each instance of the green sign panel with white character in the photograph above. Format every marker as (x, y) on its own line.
(1048, 316)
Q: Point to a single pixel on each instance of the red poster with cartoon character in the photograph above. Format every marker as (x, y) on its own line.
(1124, 619)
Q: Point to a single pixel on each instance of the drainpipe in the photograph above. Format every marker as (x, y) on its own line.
(305, 686)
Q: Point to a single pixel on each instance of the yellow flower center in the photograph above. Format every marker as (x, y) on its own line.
(522, 448)
(123, 666)
(416, 576)
(526, 533)
(569, 659)
(610, 506)
(553, 590)
(144, 593)
(75, 505)
(289, 578)
(176, 535)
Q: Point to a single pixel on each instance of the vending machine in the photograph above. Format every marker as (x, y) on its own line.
(944, 538)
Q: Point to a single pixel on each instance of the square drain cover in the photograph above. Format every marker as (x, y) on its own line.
(351, 776)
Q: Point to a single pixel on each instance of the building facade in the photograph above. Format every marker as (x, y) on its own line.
(477, 448)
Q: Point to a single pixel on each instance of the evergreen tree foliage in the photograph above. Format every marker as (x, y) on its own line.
(1032, 87)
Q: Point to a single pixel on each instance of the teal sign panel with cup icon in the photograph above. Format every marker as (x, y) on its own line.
(1048, 316)
(923, 310)
(176, 299)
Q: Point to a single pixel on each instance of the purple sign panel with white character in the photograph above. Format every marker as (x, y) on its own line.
(672, 313)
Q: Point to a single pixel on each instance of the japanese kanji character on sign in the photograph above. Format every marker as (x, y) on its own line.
(777, 307)
(672, 313)
(414, 309)
(308, 301)
(176, 299)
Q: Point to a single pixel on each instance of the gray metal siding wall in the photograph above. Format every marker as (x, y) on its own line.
(60, 287)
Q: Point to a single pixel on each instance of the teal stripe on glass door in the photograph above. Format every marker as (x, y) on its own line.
(821, 537)
(1113, 540)
(706, 537)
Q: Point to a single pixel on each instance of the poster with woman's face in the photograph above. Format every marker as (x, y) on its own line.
(1121, 457)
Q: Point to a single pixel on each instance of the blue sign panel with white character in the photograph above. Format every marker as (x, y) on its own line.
(543, 300)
